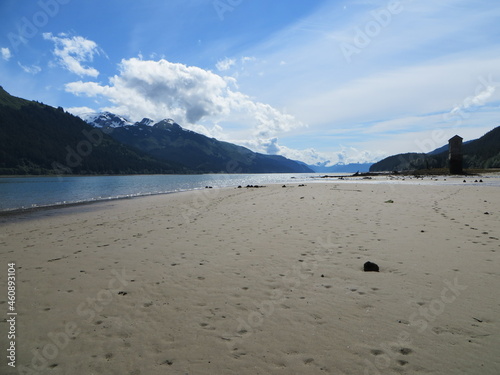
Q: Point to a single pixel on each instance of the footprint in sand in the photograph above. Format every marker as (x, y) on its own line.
(405, 351)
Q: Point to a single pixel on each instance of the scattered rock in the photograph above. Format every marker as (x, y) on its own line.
(370, 267)
(389, 201)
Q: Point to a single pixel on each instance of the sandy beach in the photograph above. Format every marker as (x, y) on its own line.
(262, 280)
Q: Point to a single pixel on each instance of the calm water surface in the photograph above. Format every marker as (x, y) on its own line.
(28, 192)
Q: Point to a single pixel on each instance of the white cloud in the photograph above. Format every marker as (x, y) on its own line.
(475, 101)
(6, 54)
(34, 69)
(246, 59)
(401, 87)
(72, 52)
(225, 64)
(190, 95)
(397, 90)
(80, 111)
(346, 155)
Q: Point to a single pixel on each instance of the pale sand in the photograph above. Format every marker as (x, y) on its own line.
(261, 281)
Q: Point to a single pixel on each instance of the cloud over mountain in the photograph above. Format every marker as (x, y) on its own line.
(188, 94)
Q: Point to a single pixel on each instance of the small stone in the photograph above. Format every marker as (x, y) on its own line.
(370, 267)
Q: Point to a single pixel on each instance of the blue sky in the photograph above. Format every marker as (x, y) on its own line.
(321, 81)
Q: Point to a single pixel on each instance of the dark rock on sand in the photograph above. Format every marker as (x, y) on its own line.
(370, 267)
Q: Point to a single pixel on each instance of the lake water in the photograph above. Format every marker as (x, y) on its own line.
(29, 192)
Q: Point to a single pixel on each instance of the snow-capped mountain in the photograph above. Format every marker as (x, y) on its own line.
(106, 120)
(145, 121)
(169, 142)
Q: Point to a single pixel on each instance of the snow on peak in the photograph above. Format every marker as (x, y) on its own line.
(106, 120)
(146, 121)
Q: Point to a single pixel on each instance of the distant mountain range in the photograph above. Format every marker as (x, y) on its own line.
(341, 168)
(168, 141)
(148, 136)
(39, 139)
(482, 153)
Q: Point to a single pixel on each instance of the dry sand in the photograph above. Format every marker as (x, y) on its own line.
(260, 281)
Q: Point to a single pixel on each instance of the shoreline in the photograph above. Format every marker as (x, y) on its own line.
(15, 212)
(375, 178)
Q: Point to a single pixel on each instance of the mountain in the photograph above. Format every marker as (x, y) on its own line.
(341, 168)
(39, 139)
(482, 153)
(168, 141)
(105, 120)
(442, 149)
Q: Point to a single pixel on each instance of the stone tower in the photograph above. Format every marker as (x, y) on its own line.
(455, 155)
